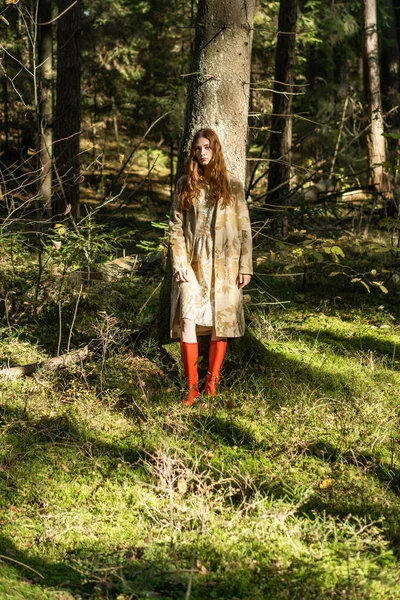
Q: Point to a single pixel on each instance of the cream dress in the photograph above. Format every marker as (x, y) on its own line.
(232, 255)
(197, 295)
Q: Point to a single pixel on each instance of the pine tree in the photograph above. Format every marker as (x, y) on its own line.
(218, 94)
(45, 55)
(376, 141)
(67, 120)
(281, 122)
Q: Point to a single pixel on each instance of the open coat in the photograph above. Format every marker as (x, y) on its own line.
(232, 255)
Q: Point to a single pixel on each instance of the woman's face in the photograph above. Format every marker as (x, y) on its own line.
(203, 151)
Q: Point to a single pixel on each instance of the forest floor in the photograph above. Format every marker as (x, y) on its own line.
(286, 486)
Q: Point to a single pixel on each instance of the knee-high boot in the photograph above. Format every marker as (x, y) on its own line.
(215, 359)
(190, 356)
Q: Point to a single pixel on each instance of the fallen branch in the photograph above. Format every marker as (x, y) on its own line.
(2, 557)
(52, 364)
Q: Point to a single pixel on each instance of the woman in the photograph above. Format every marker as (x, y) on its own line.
(211, 246)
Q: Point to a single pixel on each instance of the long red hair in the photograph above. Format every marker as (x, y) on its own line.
(194, 178)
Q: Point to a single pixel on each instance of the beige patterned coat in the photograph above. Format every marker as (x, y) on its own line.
(232, 255)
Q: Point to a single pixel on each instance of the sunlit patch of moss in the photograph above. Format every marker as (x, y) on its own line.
(287, 484)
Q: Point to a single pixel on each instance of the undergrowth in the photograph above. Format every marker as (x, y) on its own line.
(286, 486)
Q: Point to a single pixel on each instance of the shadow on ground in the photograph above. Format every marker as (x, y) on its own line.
(352, 345)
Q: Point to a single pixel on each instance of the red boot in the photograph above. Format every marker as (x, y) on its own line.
(190, 356)
(215, 359)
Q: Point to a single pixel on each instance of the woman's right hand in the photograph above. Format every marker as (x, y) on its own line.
(182, 276)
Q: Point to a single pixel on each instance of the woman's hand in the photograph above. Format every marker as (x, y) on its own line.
(182, 276)
(243, 280)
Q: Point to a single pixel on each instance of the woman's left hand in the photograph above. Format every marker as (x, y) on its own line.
(243, 280)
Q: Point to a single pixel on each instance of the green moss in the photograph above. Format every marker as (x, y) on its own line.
(285, 486)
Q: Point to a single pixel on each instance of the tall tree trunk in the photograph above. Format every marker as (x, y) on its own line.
(281, 122)
(376, 142)
(390, 63)
(218, 93)
(45, 55)
(396, 14)
(68, 108)
(342, 69)
(218, 96)
(5, 125)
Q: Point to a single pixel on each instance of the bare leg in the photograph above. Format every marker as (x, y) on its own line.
(188, 334)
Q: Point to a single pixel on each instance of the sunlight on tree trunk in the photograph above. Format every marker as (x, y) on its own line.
(218, 93)
(218, 96)
(45, 52)
(376, 142)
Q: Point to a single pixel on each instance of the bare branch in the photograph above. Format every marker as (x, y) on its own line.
(52, 364)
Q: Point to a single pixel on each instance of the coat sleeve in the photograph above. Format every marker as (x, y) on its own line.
(176, 237)
(246, 255)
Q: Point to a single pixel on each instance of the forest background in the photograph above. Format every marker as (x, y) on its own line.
(287, 485)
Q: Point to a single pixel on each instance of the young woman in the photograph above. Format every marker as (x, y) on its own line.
(211, 247)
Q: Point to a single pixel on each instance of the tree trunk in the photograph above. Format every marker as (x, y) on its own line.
(281, 122)
(396, 14)
(390, 63)
(218, 93)
(45, 54)
(5, 125)
(68, 109)
(218, 97)
(376, 143)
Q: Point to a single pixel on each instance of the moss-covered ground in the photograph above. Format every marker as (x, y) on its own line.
(286, 486)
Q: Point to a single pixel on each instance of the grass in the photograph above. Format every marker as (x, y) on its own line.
(286, 486)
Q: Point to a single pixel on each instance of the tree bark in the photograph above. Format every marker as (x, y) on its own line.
(376, 143)
(219, 84)
(45, 55)
(68, 109)
(396, 15)
(218, 97)
(281, 122)
(390, 63)
(5, 124)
